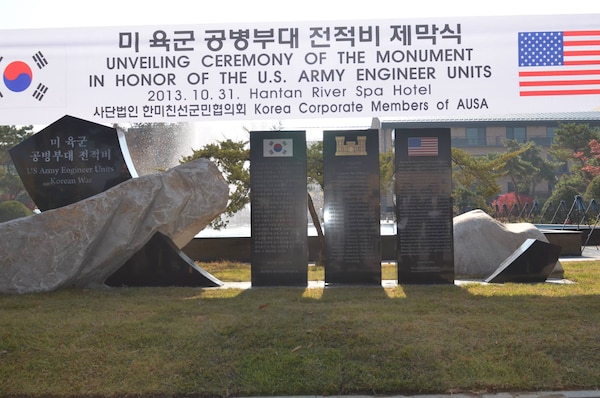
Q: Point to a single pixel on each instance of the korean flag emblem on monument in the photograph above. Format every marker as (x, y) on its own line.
(278, 148)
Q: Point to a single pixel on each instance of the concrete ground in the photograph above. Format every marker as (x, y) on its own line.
(589, 253)
(542, 394)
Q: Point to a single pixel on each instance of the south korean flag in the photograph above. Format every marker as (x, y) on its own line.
(278, 148)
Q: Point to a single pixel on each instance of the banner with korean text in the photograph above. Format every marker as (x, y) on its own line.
(406, 68)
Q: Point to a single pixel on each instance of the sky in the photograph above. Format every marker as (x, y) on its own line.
(30, 14)
(76, 13)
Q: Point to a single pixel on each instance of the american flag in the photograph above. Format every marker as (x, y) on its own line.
(559, 63)
(422, 146)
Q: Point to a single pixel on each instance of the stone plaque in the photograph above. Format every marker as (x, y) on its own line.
(532, 262)
(70, 160)
(352, 202)
(424, 246)
(279, 243)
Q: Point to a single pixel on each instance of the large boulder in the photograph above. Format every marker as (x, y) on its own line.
(84, 243)
(482, 243)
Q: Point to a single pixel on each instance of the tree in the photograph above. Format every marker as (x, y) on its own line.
(571, 138)
(593, 190)
(12, 209)
(9, 137)
(475, 178)
(232, 158)
(567, 187)
(387, 170)
(528, 169)
(314, 174)
(574, 142)
(314, 162)
(590, 161)
(11, 186)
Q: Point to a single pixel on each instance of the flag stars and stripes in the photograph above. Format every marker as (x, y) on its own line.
(540, 48)
(422, 146)
(559, 63)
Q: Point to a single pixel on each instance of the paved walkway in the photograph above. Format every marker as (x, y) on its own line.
(590, 253)
(543, 394)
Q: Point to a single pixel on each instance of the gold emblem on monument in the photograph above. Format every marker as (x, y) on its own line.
(351, 148)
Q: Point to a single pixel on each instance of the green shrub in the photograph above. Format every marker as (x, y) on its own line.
(593, 190)
(565, 190)
(12, 209)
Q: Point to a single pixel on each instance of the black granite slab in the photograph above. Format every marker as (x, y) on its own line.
(352, 252)
(425, 248)
(279, 244)
(532, 262)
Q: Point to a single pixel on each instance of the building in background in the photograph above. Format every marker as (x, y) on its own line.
(483, 137)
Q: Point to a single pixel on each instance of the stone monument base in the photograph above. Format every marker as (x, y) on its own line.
(160, 264)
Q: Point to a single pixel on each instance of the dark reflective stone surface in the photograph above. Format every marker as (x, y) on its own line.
(532, 262)
(70, 160)
(279, 244)
(159, 264)
(425, 247)
(352, 226)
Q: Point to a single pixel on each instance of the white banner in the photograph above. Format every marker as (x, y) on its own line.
(417, 68)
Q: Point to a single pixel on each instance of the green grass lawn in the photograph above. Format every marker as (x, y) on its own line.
(408, 339)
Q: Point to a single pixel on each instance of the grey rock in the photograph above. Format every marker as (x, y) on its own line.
(84, 243)
(482, 243)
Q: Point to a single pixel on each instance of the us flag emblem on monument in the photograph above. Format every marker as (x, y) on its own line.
(422, 146)
(278, 148)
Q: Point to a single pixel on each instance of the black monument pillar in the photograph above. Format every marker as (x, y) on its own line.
(279, 244)
(352, 216)
(425, 248)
